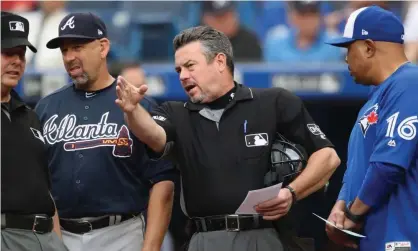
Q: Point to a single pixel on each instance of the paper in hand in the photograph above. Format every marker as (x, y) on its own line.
(255, 197)
(345, 231)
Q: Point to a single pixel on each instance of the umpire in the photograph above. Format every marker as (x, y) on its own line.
(27, 208)
(222, 139)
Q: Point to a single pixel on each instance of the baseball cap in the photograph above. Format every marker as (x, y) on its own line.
(14, 31)
(373, 23)
(79, 26)
(217, 7)
(305, 6)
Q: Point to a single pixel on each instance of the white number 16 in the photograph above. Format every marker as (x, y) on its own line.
(406, 129)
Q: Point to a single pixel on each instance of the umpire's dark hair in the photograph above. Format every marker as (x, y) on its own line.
(213, 42)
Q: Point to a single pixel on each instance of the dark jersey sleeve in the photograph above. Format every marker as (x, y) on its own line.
(297, 125)
(161, 170)
(162, 115)
(158, 170)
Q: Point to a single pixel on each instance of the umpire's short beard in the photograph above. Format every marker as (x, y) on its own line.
(199, 99)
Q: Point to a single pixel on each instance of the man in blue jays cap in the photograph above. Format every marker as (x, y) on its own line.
(380, 186)
(101, 174)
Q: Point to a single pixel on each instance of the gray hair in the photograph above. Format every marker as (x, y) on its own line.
(213, 42)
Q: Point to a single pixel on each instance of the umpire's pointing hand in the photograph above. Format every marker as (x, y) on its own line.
(275, 208)
(129, 95)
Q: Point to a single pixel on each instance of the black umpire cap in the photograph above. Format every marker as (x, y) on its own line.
(14, 31)
(79, 26)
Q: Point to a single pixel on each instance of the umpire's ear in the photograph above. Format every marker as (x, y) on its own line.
(104, 47)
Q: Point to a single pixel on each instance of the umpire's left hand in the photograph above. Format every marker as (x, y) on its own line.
(275, 208)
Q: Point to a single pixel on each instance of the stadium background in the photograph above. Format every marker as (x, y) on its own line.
(141, 36)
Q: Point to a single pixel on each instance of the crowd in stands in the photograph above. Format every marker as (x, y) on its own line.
(260, 31)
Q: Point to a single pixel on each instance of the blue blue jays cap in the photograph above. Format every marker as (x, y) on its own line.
(79, 26)
(373, 23)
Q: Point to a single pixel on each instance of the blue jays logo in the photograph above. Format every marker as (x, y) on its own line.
(87, 136)
(369, 118)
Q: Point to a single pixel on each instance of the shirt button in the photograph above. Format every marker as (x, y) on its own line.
(86, 107)
(85, 118)
(80, 155)
(77, 181)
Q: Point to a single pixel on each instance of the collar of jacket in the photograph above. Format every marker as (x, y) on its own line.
(242, 93)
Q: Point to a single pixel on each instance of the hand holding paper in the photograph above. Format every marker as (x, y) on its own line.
(256, 197)
(344, 230)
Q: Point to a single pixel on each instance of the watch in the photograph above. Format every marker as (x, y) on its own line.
(353, 217)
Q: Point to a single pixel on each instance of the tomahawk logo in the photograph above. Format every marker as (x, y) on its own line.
(69, 23)
(88, 136)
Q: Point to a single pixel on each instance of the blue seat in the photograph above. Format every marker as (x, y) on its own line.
(125, 37)
(92, 5)
(248, 13)
(159, 22)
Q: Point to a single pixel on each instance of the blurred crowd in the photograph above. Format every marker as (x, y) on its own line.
(260, 31)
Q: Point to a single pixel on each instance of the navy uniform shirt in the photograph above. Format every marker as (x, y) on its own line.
(97, 165)
(224, 153)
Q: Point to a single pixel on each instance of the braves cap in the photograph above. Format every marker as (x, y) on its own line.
(373, 23)
(79, 26)
(14, 31)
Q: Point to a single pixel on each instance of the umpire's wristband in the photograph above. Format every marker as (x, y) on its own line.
(292, 191)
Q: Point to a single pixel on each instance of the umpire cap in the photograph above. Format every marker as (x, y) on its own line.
(79, 26)
(14, 31)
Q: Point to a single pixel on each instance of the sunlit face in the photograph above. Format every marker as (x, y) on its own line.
(51, 6)
(134, 75)
(197, 76)
(224, 22)
(13, 65)
(359, 63)
(82, 60)
(308, 24)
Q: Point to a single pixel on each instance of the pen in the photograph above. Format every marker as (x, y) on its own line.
(245, 126)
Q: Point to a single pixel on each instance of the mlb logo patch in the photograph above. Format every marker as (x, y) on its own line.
(257, 139)
(16, 26)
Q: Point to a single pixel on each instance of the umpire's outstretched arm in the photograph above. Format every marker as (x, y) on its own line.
(138, 119)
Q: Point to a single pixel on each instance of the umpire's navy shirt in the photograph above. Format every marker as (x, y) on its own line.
(224, 153)
(97, 165)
